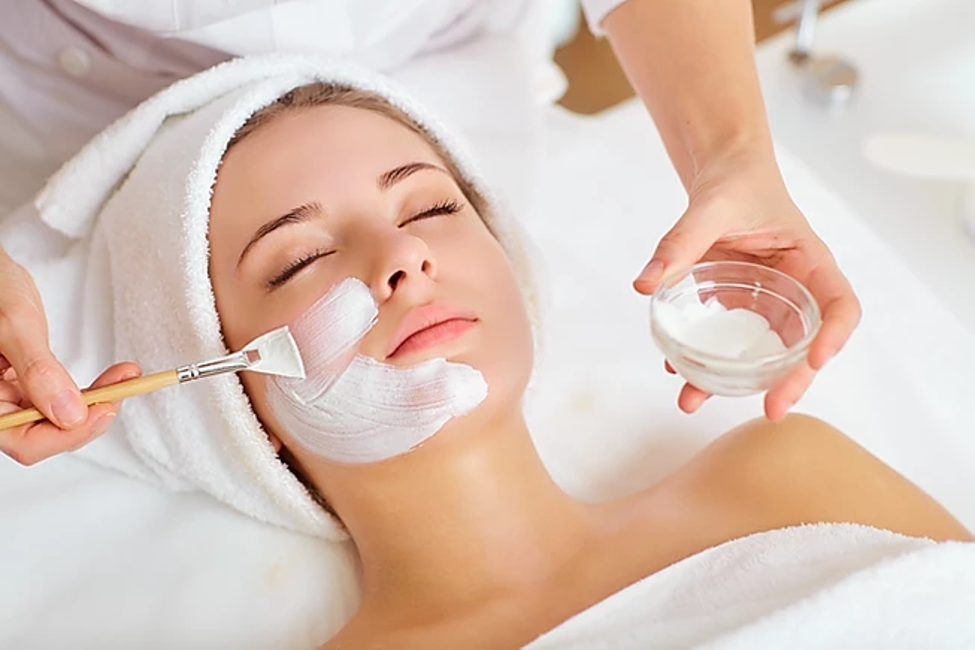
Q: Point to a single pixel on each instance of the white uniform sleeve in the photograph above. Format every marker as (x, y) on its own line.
(596, 10)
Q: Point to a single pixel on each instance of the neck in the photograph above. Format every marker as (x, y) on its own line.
(469, 515)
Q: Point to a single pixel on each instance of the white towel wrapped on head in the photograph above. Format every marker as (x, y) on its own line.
(134, 204)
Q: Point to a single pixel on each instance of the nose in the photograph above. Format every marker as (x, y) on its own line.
(404, 264)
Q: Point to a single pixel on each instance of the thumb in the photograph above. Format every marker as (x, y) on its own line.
(23, 341)
(50, 388)
(684, 245)
(46, 383)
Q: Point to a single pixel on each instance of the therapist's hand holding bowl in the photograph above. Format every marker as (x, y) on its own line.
(739, 209)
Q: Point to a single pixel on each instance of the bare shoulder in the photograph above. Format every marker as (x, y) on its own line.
(765, 475)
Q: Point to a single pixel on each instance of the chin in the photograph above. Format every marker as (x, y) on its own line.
(506, 381)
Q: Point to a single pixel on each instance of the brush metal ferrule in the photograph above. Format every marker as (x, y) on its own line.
(223, 365)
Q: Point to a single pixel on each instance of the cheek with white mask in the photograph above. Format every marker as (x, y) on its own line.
(353, 409)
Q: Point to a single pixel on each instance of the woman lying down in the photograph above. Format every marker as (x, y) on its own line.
(340, 208)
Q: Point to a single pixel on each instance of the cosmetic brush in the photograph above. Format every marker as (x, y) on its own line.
(274, 353)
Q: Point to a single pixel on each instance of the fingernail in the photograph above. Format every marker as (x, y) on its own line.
(68, 409)
(651, 272)
(102, 424)
(131, 373)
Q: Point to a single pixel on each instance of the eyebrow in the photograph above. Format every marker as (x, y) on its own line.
(302, 213)
(394, 176)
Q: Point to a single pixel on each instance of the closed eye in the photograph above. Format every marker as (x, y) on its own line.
(294, 267)
(445, 207)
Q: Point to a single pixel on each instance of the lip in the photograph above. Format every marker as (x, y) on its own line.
(441, 321)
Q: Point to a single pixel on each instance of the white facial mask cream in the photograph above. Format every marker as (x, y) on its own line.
(354, 409)
(711, 328)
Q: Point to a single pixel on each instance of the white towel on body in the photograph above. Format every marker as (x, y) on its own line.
(132, 280)
(817, 586)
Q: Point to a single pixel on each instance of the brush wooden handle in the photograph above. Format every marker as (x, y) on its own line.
(113, 393)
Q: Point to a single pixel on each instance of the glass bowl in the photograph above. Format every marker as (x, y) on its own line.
(712, 356)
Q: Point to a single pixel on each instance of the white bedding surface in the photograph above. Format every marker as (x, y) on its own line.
(95, 560)
(812, 587)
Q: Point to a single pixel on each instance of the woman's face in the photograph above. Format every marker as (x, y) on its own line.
(323, 194)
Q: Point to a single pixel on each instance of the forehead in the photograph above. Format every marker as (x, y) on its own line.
(325, 133)
(317, 153)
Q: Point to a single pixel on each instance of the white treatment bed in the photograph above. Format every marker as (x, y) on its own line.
(92, 559)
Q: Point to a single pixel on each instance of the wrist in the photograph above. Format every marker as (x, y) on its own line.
(747, 171)
(751, 157)
(749, 149)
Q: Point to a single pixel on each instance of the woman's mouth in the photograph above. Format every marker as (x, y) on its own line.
(429, 326)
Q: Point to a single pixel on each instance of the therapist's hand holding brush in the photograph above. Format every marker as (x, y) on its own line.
(30, 375)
